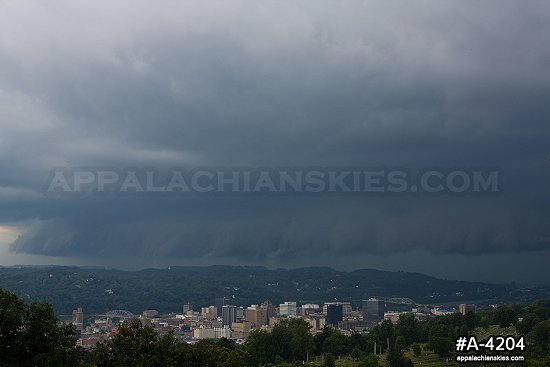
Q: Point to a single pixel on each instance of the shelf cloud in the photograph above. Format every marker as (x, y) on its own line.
(375, 84)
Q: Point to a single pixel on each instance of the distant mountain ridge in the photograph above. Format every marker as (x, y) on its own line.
(98, 290)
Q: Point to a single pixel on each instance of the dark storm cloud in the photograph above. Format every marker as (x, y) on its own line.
(359, 83)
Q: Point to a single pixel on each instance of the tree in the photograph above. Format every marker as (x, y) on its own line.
(416, 349)
(409, 328)
(290, 340)
(505, 316)
(539, 339)
(329, 360)
(337, 344)
(136, 345)
(439, 340)
(12, 314)
(396, 358)
(526, 325)
(440, 345)
(31, 335)
(384, 332)
(400, 343)
(260, 348)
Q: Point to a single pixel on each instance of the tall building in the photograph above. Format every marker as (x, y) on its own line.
(309, 308)
(229, 315)
(239, 314)
(209, 313)
(219, 303)
(78, 318)
(335, 314)
(464, 308)
(346, 307)
(373, 309)
(271, 312)
(287, 309)
(187, 307)
(256, 315)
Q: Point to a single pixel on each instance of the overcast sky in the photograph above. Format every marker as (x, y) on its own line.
(278, 84)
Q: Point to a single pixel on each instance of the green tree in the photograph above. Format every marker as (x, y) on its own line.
(439, 339)
(527, 323)
(504, 316)
(32, 336)
(330, 361)
(440, 345)
(396, 358)
(337, 344)
(136, 345)
(409, 328)
(384, 332)
(400, 343)
(260, 348)
(539, 340)
(290, 340)
(416, 349)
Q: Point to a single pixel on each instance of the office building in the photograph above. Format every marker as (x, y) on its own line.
(209, 313)
(373, 310)
(219, 303)
(271, 310)
(187, 307)
(78, 318)
(287, 309)
(464, 308)
(346, 307)
(229, 315)
(256, 315)
(335, 314)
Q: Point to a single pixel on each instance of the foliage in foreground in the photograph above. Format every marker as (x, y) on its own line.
(30, 335)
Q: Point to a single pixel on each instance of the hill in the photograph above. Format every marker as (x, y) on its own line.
(99, 290)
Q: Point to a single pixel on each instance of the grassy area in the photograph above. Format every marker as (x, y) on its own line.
(482, 333)
(429, 358)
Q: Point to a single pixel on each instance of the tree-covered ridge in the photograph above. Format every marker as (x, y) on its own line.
(99, 290)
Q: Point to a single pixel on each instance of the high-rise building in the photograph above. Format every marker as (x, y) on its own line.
(287, 309)
(464, 308)
(78, 318)
(219, 303)
(209, 313)
(187, 307)
(256, 315)
(346, 307)
(309, 308)
(229, 315)
(373, 309)
(335, 314)
(239, 313)
(271, 312)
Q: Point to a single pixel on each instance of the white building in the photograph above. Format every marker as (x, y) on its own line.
(222, 332)
(204, 333)
(212, 333)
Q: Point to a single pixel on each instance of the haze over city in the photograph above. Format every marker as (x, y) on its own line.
(379, 85)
